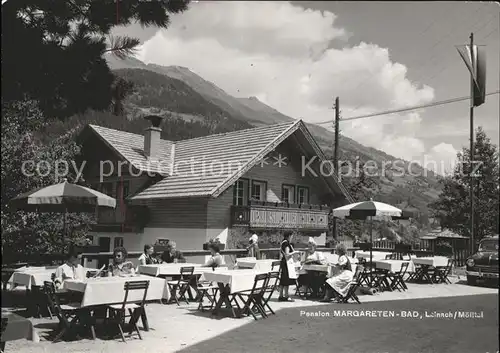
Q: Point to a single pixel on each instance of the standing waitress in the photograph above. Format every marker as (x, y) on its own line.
(285, 280)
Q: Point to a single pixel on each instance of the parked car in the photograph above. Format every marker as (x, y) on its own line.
(484, 263)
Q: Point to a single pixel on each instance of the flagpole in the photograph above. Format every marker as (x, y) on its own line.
(471, 153)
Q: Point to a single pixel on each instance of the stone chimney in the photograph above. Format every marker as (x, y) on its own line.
(152, 137)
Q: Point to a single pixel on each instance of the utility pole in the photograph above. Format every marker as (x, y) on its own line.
(336, 152)
(336, 129)
(471, 191)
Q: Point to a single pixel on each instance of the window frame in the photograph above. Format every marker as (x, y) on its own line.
(263, 191)
(307, 199)
(292, 193)
(115, 245)
(243, 198)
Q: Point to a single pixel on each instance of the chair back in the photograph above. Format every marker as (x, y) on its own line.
(449, 266)
(133, 286)
(273, 279)
(274, 264)
(260, 284)
(358, 273)
(49, 290)
(404, 268)
(53, 276)
(186, 274)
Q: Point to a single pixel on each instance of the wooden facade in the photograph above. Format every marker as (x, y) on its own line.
(192, 220)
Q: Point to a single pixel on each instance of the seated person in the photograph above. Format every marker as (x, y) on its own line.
(338, 284)
(313, 256)
(172, 255)
(313, 279)
(120, 266)
(71, 269)
(147, 257)
(216, 259)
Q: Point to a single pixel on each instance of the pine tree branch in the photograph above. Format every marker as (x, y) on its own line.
(122, 47)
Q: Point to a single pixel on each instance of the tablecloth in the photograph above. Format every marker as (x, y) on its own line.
(259, 265)
(394, 265)
(110, 290)
(238, 280)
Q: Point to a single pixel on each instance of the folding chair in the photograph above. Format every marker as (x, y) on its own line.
(302, 294)
(441, 273)
(118, 312)
(254, 297)
(206, 289)
(69, 315)
(271, 285)
(181, 285)
(397, 281)
(353, 286)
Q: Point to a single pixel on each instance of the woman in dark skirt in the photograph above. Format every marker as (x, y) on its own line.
(285, 280)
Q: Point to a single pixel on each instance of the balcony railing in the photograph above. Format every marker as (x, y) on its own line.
(280, 217)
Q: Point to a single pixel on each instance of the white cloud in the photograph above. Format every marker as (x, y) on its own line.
(283, 54)
(441, 158)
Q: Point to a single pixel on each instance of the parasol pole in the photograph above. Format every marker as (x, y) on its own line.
(371, 247)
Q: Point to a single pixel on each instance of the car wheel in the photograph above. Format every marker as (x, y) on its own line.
(471, 281)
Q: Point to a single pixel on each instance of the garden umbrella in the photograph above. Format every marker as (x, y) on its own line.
(368, 209)
(63, 197)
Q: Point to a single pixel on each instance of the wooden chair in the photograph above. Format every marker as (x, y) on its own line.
(441, 273)
(206, 289)
(181, 285)
(353, 286)
(129, 308)
(397, 278)
(271, 286)
(69, 315)
(254, 297)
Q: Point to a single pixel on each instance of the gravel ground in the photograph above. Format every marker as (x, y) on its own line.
(178, 328)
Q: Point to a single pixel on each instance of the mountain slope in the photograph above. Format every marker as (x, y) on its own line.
(179, 93)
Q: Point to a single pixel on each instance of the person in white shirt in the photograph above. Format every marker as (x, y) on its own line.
(72, 269)
(253, 246)
(313, 279)
(313, 256)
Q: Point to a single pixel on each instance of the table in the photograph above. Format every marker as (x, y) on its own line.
(231, 282)
(426, 263)
(34, 276)
(17, 328)
(259, 265)
(376, 255)
(165, 269)
(109, 290)
(394, 265)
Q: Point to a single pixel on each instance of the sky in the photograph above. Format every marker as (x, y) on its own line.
(375, 56)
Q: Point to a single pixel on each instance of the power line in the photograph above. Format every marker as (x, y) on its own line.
(448, 101)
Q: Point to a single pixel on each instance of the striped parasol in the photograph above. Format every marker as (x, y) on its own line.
(62, 198)
(368, 210)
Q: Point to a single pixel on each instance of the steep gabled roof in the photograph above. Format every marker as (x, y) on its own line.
(203, 165)
(130, 147)
(207, 166)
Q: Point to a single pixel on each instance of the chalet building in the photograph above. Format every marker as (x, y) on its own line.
(270, 178)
